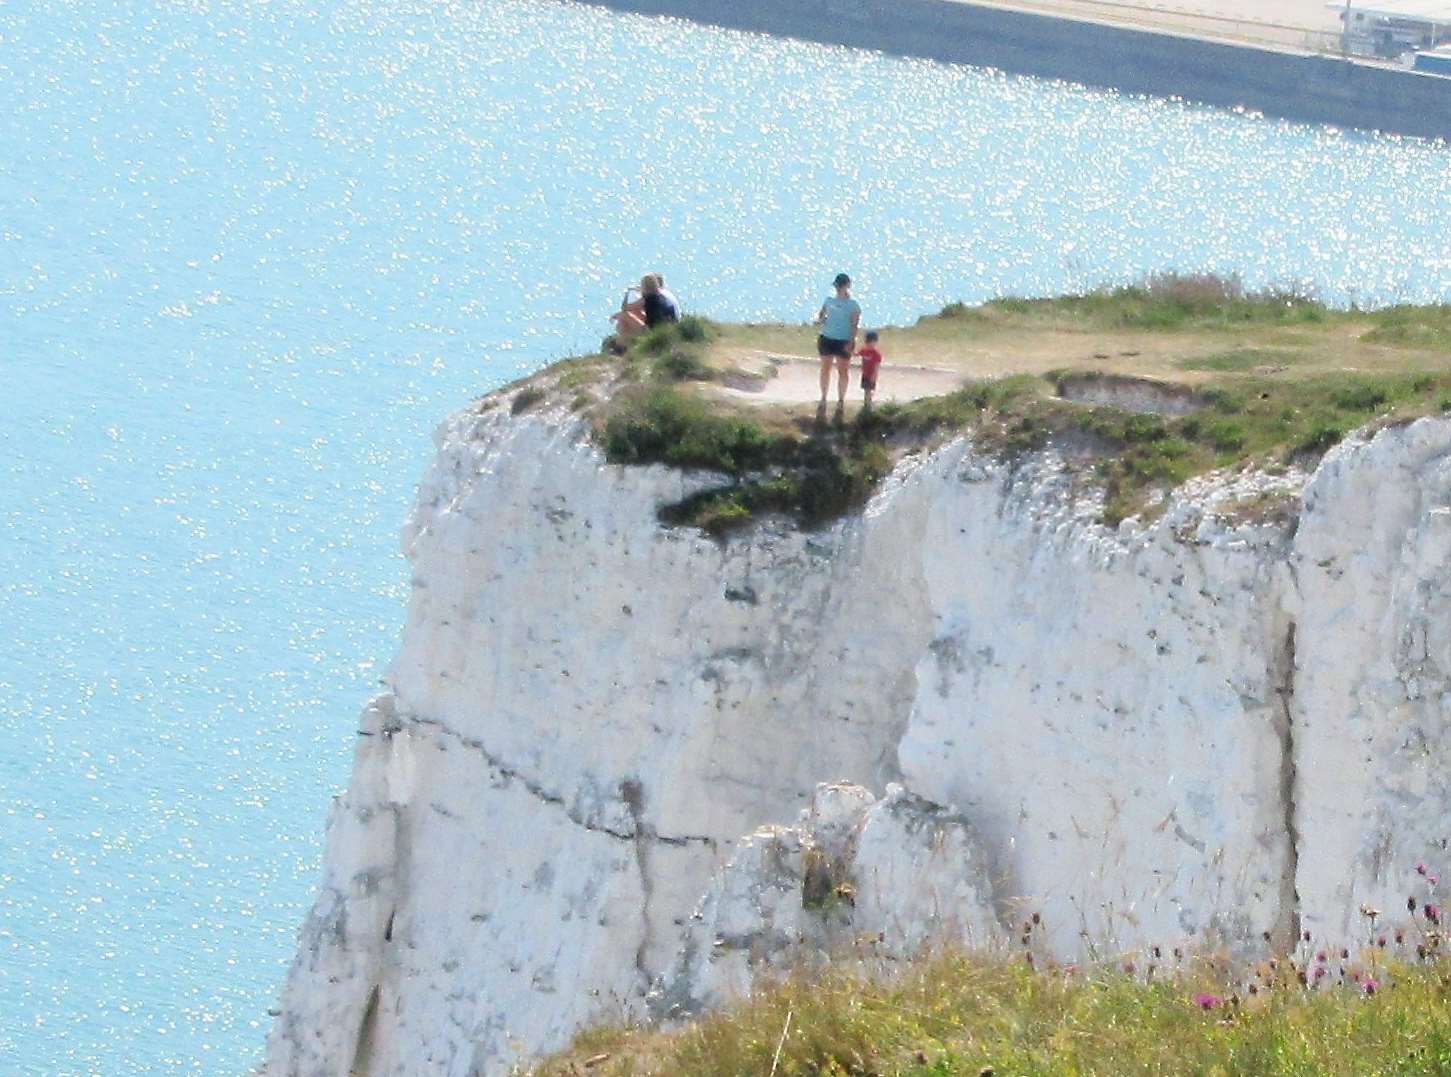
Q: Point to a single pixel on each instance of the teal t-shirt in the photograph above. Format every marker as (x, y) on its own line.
(838, 317)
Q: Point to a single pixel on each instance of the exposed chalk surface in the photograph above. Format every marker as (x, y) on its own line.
(1219, 724)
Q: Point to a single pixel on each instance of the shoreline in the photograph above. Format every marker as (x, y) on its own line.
(1284, 83)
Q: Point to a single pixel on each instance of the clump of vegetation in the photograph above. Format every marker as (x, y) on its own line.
(1242, 359)
(817, 478)
(526, 398)
(689, 330)
(1177, 301)
(1412, 327)
(666, 426)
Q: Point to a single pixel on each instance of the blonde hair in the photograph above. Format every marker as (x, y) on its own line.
(650, 284)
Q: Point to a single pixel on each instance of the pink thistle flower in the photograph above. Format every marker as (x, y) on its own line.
(1369, 986)
(1421, 869)
(1321, 972)
(1433, 913)
(1206, 1001)
(1321, 956)
(1433, 878)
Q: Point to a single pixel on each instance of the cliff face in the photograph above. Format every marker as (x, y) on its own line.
(1226, 723)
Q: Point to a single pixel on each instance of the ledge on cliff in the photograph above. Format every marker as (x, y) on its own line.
(1143, 386)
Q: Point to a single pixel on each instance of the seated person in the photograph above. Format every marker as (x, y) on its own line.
(643, 308)
(669, 296)
(660, 306)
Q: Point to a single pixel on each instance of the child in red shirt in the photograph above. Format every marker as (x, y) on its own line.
(871, 360)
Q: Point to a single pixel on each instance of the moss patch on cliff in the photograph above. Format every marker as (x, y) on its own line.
(961, 1015)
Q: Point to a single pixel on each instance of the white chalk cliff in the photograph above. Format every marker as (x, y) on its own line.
(591, 789)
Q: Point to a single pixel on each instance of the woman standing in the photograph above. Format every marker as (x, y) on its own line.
(838, 318)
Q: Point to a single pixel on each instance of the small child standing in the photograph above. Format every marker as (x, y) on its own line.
(871, 360)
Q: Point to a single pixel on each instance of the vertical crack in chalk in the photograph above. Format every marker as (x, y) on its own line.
(1288, 927)
(633, 794)
(367, 1031)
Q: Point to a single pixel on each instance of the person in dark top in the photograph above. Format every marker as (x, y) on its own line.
(659, 307)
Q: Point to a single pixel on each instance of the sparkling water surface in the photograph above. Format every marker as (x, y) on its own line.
(251, 253)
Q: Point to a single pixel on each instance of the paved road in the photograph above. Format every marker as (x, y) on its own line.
(1298, 24)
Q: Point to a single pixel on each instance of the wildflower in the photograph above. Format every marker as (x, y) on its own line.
(1369, 986)
(1307, 936)
(1265, 935)
(1411, 903)
(1207, 1001)
(1433, 913)
(1421, 868)
(1037, 919)
(1381, 942)
(1400, 937)
(1300, 975)
(1130, 967)
(1321, 956)
(1369, 912)
(1178, 954)
(1433, 879)
(1156, 951)
(1320, 973)
(1344, 954)
(1254, 989)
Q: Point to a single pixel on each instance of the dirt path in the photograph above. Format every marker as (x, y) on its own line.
(766, 379)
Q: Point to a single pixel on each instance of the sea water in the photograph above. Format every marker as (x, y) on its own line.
(250, 254)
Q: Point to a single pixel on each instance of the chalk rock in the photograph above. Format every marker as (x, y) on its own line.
(856, 879)
(1224, 721)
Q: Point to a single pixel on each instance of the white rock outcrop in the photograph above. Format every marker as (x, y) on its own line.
(1224, 723)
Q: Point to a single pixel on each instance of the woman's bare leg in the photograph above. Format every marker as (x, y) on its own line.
(630, 321)
(825, 377)
(843, 375)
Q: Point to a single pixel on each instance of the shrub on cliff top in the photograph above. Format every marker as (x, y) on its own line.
(1177, 300)
(666, 426)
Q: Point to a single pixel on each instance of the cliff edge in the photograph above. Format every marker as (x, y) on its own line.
(622, 767)
(1213, 726)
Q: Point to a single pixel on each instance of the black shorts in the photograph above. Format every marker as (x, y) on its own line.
(869, 381)
(827, 346)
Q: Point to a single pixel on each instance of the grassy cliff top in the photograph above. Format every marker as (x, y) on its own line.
(1152, 384)
(1364, 1010)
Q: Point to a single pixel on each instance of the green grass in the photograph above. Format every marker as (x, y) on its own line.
(960, 1014)
(1412, 327)
(1249, 418)
(646, 409)
(663, 425)
(1241, 359)
(526, 398)
(1173, 301)
(818, 477)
